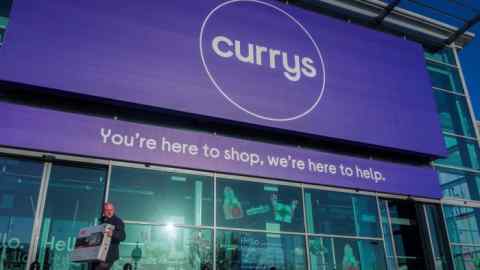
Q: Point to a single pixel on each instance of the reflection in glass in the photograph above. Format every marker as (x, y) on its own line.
(406, 235)
(346, 254)
(387, 235)
(321, 253)
(74, 200)
(466, 257)
(444, 56)
(462, 224)
(454, 114)
(5, 7)
(354, 254)
(150, 247)
(461, 152)
(341, 213)
(260, 206)
(438, 237)
(459, 184)
(163, 196)
(445, 77)
(248, 251)
(19, 187)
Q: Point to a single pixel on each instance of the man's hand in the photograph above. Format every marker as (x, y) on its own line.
(109, 232)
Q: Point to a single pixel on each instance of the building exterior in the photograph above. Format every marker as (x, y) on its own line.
(362, 154)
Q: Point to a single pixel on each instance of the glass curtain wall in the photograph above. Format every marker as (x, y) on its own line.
(178, 219)
(459, 173)
(188, 219)
(73, 201)
(5, 6)
(19, 190)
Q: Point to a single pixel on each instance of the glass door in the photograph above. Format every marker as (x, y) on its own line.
(74, 198)
(20, 185)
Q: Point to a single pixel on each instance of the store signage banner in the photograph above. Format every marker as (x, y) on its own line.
(60, 132)
(259, 62)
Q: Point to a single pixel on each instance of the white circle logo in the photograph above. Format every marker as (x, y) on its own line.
(262, 60)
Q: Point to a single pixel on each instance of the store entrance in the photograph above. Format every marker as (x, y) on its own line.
(43, 204)
(20, 185)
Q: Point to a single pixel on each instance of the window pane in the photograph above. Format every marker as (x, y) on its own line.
(459, 184)
(74, 200)
(406, 234)
(445, 77)
(454, 114)
(19, 187)
(166, 247)
(466, 257)
(5, 6)
(249, 250)
(260, 206)
(439, 238)
(163, 196)
(359, 254)
(461, 152)
(387, 236)
(462, 224)
(321, 253)
(341, 213)
(444, 56)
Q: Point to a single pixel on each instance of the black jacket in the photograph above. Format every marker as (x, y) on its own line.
(117, 237)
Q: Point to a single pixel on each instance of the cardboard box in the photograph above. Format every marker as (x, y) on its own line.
(92, 244)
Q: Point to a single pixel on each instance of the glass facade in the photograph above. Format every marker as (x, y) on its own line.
(177, 219)
(5, 6)
(19, 188)
(459, 173)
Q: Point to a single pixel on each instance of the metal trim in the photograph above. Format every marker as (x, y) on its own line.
(448, 91)
(38, 220)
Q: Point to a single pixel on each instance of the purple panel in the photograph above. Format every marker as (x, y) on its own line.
(257, 62)
(60, 132)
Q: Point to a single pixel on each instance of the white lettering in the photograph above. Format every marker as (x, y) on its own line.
(294, 67)
(216, 46)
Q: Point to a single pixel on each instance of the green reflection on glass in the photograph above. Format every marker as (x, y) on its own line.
(459, 184)
(341, 213)
(251, 250)
(163, 196)
(74, 200)
(445, 77)
(19, 187)
(454, 114)
(166, 247)
(250, 205)
(444, 56)
(462, 152)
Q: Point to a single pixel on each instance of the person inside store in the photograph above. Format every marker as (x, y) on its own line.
(118, 235)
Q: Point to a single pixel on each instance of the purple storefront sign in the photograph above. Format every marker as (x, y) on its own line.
(257, 62)
(41, 129)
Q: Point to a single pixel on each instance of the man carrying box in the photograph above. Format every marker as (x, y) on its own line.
(117, 235)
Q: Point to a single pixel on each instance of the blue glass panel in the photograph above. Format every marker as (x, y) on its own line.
(461, 152)
(459, 184)
(444, 56)
(454, 113)
(445, 77)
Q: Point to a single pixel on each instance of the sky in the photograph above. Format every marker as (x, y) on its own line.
(470, 55)
(470, 60)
